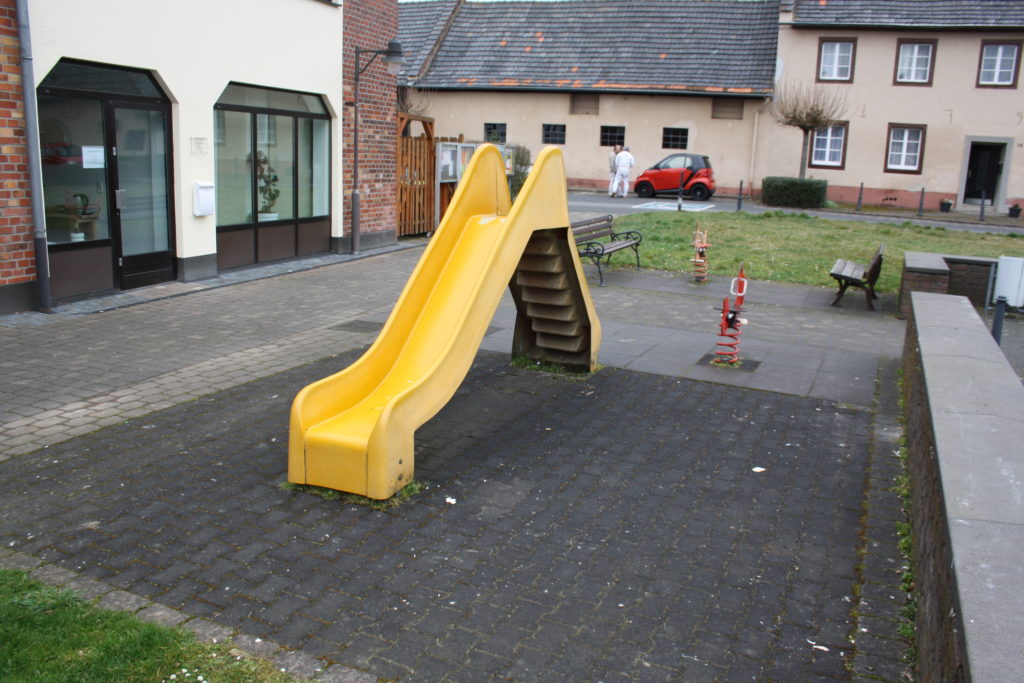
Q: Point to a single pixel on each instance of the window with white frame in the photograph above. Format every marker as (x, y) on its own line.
(828, 147)
(835, 59)
(906, 148)
(1000, 62)
(914, 61)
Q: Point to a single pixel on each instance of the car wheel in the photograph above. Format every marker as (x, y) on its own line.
(699, 192)
(644, 190)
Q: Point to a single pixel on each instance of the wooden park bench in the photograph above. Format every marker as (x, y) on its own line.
(589, 233)
(851, 274)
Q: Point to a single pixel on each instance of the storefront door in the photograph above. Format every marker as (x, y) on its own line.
(105, 143)
(141, 202)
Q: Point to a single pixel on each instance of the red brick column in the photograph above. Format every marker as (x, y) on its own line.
(17, 256)
(370, 24)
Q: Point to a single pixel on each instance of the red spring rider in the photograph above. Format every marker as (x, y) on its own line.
(731, 325)
(700, 256)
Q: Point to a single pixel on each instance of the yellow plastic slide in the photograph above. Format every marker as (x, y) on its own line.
(353, 431)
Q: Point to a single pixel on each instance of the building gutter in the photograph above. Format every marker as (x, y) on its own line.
(753, 142)
(35, 166)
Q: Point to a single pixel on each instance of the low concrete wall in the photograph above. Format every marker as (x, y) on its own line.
(966, 458)
(945, 274)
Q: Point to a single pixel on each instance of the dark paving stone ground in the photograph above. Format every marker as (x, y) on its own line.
(615, 528)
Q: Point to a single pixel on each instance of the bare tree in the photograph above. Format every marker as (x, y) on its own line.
(807, 107)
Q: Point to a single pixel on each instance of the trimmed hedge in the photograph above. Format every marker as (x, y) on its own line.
(795, 192)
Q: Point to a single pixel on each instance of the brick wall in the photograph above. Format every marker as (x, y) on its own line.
(944, 274)
(17, 257)
(370, 24)
(962, 419)
(912, 281)
(940, 648)
(969, 278)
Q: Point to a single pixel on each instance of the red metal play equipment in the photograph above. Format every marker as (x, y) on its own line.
(731, 325)
(700, 256)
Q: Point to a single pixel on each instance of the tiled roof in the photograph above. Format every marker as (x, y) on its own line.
(955, 14)
(420, 26)
(718, 46)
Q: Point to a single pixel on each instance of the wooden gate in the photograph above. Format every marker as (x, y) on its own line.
(415, 176)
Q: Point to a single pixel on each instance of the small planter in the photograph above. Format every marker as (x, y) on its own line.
(1014, 211)
(945, 205)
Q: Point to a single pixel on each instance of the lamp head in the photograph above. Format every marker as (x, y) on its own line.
(393, 57)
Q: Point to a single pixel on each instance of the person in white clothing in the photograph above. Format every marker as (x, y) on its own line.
(611, 169)
(624, 163)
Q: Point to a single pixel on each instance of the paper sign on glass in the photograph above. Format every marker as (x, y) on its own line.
(93, 157)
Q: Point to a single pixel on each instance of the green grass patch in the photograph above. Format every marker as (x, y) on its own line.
(527, 363)
(50, 634)
(401, 496)
(797, 248)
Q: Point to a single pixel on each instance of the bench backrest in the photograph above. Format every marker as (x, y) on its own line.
(875, 269)
(593, 227)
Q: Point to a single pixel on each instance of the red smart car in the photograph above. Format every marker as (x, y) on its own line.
(664, 177)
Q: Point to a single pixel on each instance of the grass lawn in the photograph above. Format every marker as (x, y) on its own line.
(49, 634)
(797, 248)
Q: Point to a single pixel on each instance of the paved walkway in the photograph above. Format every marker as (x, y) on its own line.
(661, 520)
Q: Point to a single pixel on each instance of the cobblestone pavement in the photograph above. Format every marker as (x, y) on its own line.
(626, 547)
(631, 526)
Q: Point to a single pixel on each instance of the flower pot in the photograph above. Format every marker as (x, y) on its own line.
(944, 207)
(1014, 212)
(266, 217)
(78, 237)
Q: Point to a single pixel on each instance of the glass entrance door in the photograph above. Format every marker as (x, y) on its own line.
(104, 132)
(141, 200)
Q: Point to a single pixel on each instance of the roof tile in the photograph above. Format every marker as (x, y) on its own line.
(636, 45)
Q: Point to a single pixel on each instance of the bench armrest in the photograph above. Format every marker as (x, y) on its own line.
(590, 249)
(628, 235)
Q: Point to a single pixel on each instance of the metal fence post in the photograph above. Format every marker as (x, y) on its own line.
(739, 199)
(860, 197)
(997, 322)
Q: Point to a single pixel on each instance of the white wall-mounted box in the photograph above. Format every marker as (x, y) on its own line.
(1010, 281)
(204, 198)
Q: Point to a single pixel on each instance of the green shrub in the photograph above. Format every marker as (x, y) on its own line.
(797, 192)
(520, 168)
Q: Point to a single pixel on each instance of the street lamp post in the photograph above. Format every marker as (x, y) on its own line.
(392, 56)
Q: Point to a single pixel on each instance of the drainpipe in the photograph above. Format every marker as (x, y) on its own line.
(753, 142)
(35, 167)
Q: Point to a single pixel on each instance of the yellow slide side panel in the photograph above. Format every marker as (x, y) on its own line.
(483, 190)
(356, 433)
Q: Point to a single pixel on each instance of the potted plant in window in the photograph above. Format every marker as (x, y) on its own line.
(266, 186)
(1015, 211)
(945, 205)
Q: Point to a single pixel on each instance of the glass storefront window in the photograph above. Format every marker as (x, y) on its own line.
(74, 169)
(265, 98)
(313, 167)
(102, 78)
(234, 167)
(268, 160)
(275, 167)
(142, 171)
